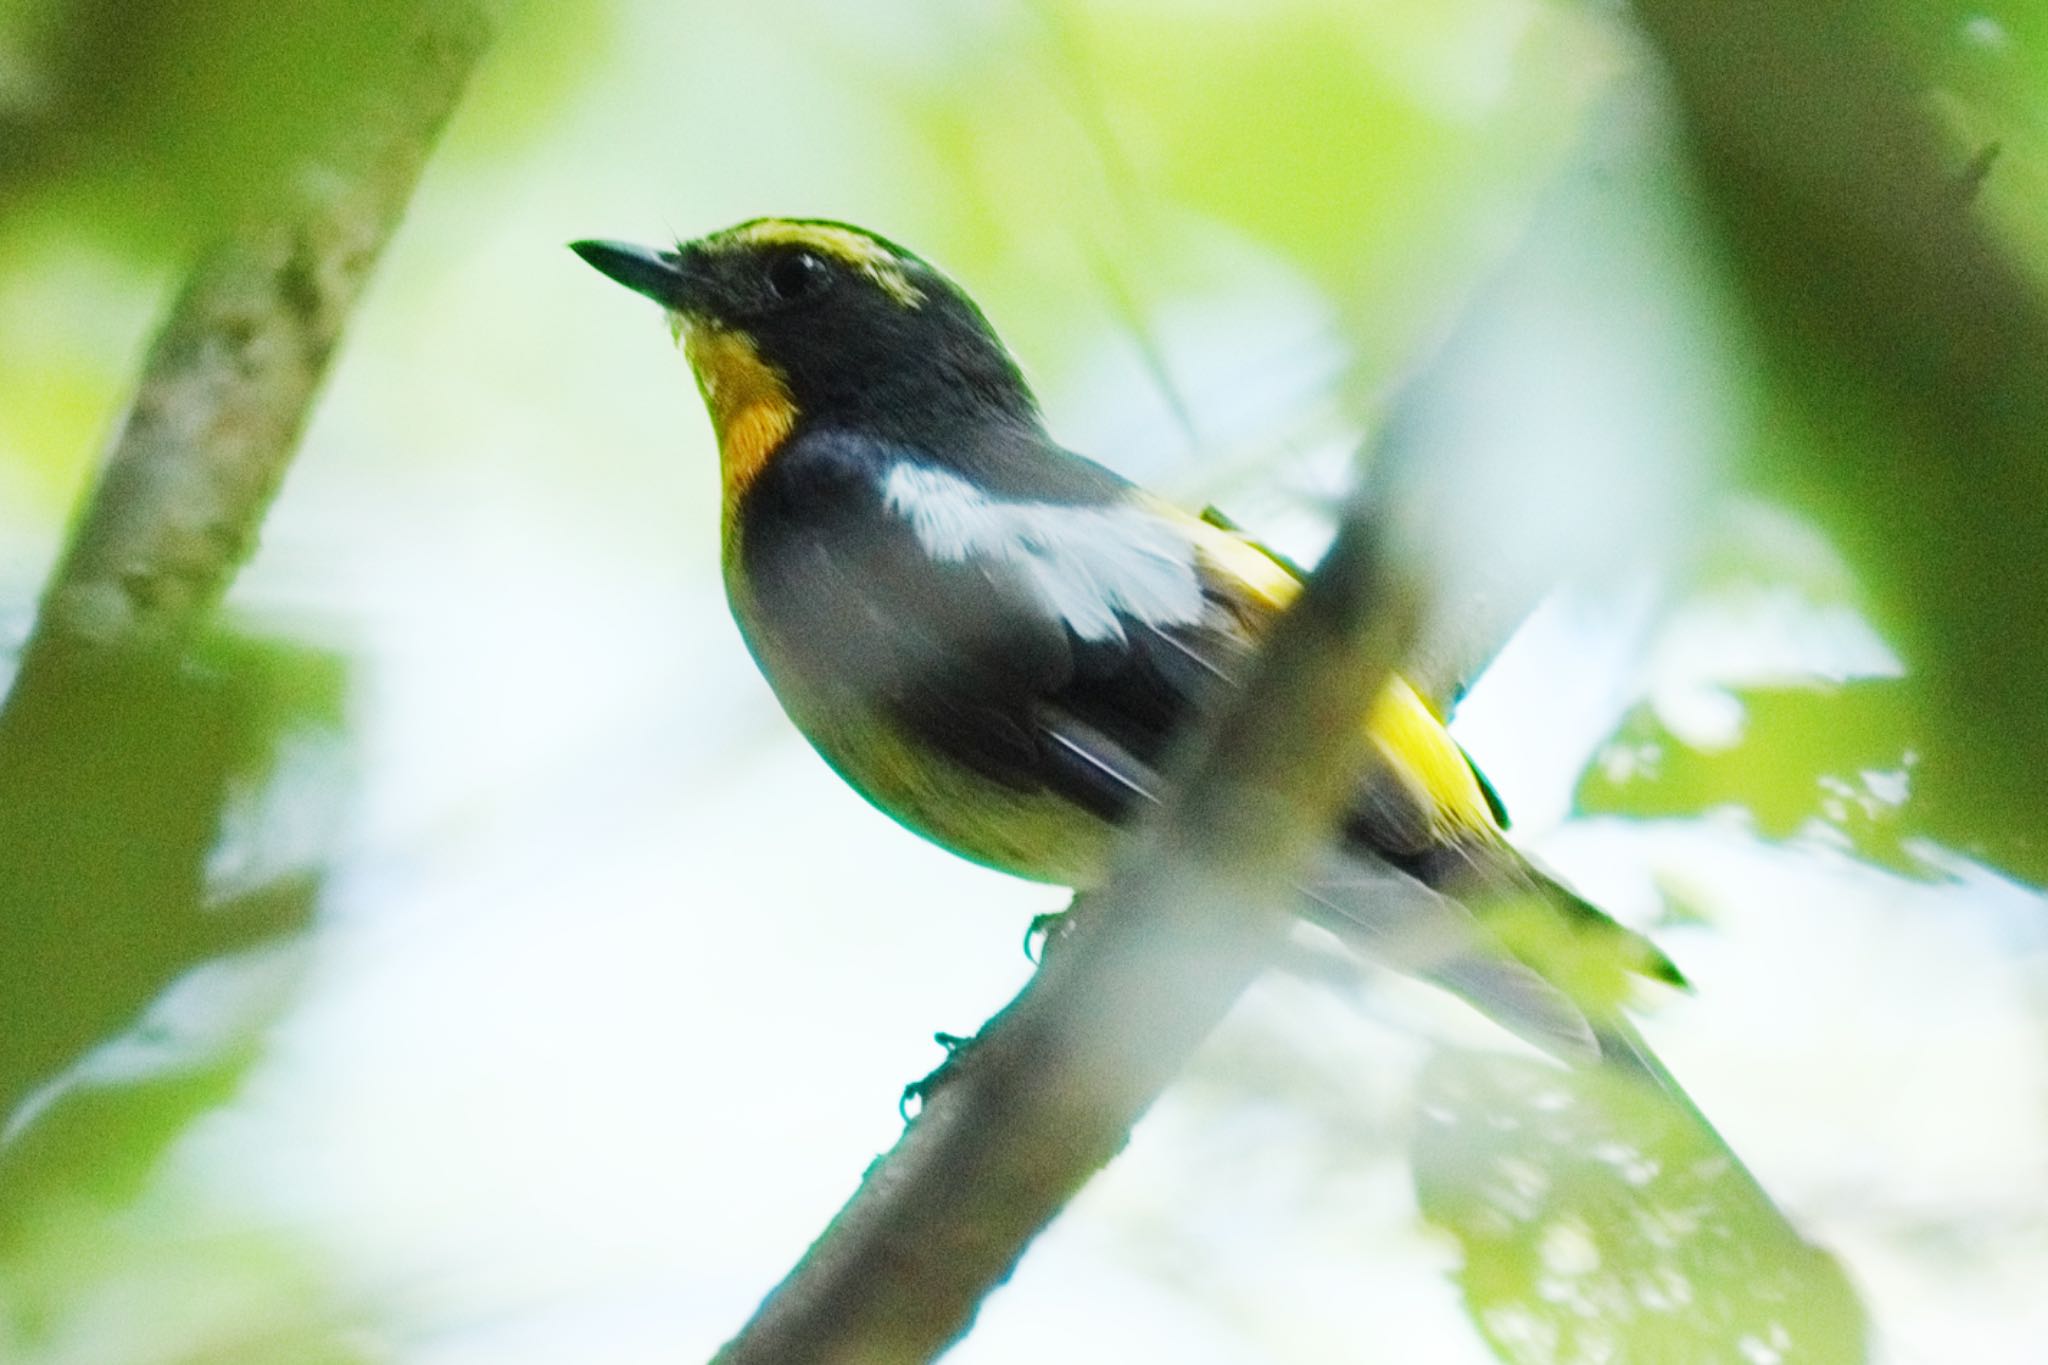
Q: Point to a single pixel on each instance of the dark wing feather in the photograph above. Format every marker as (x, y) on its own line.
(1043, 661)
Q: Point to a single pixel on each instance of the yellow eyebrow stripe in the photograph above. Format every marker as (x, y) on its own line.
(850, 248)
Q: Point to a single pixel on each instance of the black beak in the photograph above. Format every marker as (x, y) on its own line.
(657, 274)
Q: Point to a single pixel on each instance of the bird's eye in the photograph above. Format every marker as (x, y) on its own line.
(795, 275)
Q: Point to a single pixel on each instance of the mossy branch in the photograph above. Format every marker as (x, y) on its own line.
(229, 381)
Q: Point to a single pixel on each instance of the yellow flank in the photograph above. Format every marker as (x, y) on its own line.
(751, 410)
(863, 253)
(1404, 729)
(1032, 834)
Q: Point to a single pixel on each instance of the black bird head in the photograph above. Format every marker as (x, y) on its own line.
(792, 322)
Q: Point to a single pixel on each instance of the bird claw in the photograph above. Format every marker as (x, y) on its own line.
(919, 1090)
(1043, 930)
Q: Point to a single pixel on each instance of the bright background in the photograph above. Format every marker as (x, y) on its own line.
(611, 986)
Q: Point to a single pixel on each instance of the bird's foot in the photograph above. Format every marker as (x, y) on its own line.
(1045, 930)
(918, 1091)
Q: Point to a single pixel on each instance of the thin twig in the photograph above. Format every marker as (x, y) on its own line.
(1048, 1092)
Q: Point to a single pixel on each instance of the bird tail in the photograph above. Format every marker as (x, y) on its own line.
(1523, 949)
(1484, 924)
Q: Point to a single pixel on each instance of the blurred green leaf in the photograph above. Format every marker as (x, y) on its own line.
(1905, 348)
(1847, 758)
(170, 120)
(1599, 1224)
(159, 124)
(1393, 152)
(147, 884)
(152, 1291)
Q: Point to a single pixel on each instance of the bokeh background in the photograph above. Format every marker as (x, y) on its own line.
(471, 967)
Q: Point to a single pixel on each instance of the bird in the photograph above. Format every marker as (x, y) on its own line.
(996, 640)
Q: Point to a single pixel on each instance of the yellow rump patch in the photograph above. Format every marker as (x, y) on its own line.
(1238, 559)
(844, 245)
(1415, 744)
(751, 410)
(1410, 737)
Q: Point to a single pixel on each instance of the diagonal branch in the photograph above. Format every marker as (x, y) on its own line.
(1048, 1092)
(231, 377)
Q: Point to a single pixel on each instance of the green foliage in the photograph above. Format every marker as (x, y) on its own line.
(1846, 758)
(1905, 347)
(157, 125)
(134, 1291)
(1599, 1223)
(1394, 151)
(173, 119)
(1941, 549)
(149, 899)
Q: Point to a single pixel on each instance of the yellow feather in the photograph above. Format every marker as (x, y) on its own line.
(1410, 737)
(751, 410)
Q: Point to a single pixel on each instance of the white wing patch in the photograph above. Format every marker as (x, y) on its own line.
(1087, 565)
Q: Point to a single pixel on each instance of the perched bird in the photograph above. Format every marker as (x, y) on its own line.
(996, 640)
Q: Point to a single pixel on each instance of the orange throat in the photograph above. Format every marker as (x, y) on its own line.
(751, 410)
